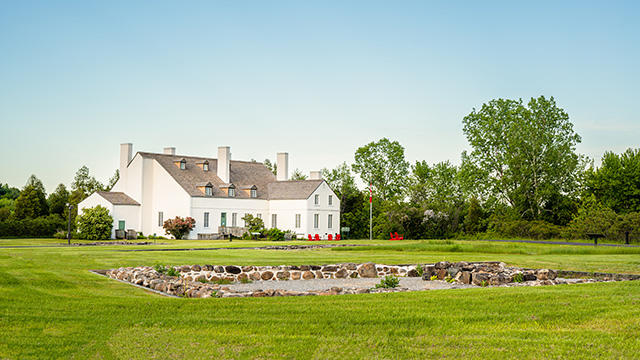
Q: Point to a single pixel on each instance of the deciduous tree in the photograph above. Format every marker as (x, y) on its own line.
(382, 163)
(95, 223)
(528, 152)
(32, 202)
(179, 227)
(616, 183)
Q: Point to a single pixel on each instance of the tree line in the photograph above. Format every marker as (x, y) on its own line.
(522, 179)
(30, 212)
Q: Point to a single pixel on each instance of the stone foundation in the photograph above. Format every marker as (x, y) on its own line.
(202, 281)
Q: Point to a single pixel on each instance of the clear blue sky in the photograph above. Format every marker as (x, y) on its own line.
(316, 79)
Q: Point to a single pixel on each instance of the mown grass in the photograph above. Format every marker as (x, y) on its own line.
(52, 307)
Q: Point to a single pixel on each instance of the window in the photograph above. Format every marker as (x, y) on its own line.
(316, 220)
(259, 216)
(208, 190)
(298, 221)
(205, 166)
(330, 221)
(232, 192)
(317, 200)
(274, 220)
(183, 164)
(246, 224)
(330, 200)
(254, 193)
(234, 219)
(206, 219)
(223, 219)
(160, 218)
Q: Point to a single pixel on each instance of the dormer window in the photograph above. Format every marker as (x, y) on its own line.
(254, 193)
(229, 188)
(232, 192)
(183, 164)
(205, 166)
(208, 190)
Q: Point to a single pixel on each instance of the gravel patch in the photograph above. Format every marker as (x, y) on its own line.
(411, 284)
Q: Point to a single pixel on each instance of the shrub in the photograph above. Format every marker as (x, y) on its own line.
(43, 226)
(95, 223)
(518, 278)
(179, 227)
(173, 271)
(275, 234)
(388, 282)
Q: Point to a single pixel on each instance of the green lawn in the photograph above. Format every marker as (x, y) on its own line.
(52, 307)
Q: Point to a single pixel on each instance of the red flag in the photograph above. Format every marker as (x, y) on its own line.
(370, 193)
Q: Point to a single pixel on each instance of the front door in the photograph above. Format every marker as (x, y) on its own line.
(121, 225)
(223, 219)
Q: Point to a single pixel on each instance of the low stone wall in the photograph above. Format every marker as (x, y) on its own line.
(199, 281)
(284, 273)
(194, 279)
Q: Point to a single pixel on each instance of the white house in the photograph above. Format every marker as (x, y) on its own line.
(216, 193)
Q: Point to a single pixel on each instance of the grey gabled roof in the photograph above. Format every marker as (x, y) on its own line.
(117, 198)
(293, 189)
(243, 175)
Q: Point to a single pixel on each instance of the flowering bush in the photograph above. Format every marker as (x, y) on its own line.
(179, 227)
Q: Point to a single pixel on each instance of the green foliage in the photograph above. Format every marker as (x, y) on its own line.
(58, 201)
(449, 279)
(298, 175)
(473, 221)
(172, 271)
(9, 193)
(420, 270)
(221, 281)
(616, 183)
(32, 202)
(255, 224)
(275, 234)
(592, 217)
(518, 278)
(38, 227)
(537, 229)
(433, 277)
(382, 163)
(342, 182)
(179, 227)
(273, 167)
(160, 268)
(5, 213)
(95, 223)
(388, 282)
(528, 152)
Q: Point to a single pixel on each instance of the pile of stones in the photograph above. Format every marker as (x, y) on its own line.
(487, 273)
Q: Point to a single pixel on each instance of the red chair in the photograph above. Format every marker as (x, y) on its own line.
(337, 237)
(317, 237)
(392, 237)
(310, 238)
(399, 237)
(330, 237)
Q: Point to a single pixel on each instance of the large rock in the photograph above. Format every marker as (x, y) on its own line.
(546, 274)
(207, 268)
(429, 271)
(442, 274)
(412, 273)
(350, 266)
(330, 268)
(219, 269)
(247, 269)
(283, 275)
(267, 275)
(453, 271)
(255, 276)
(464, 277)
(308, 275)
(341, 274)
(480, 278)
(368, 270)
(231, 269)
(442, 265)
(295, 275)
(195, 268)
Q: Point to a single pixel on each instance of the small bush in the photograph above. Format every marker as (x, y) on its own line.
(173, 271)
(160, 268)
(518, 278)
(221, 281)
(389, 282)
(434, 277)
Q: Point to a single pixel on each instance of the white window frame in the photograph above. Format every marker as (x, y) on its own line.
(316, 221)
(274, 220)
(330, 221)
(205, 167)
(254, 193)
(234, 219)
(206, 220)
(298, 220)
(330, 200)
(208, 190)
(231, 192)
(317, 200)
(160, 218)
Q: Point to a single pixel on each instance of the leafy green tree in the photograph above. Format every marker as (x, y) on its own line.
(437, 186)
(95, 223)
(84, 184)
(113, 180)
(32, 202)
(298, 175)
(273, 167)
(592, 217)
(342, 182)
(9, 193)
(179, 227)
(528, 152)
(255, 224)
(382, 163)
(473, 218)
(616, 183)
(5, 213)
(58, 201)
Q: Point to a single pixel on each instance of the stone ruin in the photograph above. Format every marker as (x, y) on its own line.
(198, 281)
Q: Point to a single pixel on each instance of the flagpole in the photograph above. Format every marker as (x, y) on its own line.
(370, 211)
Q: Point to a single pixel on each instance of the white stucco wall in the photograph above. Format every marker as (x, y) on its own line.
(323, 210)
(161, 193)
(216, 206)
